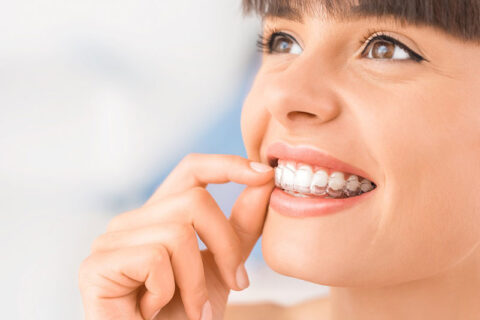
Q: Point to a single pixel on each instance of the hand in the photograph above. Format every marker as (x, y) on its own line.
(148, 265)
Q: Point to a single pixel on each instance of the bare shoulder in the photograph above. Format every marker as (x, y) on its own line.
(311, 309)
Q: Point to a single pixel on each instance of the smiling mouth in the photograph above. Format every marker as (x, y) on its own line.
(304, 180)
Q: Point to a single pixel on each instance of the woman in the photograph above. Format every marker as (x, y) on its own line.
(369, 111)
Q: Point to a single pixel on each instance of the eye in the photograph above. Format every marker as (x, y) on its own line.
(383, 47)
(279, 42)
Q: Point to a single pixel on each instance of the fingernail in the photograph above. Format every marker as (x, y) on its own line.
(242, 277)
(206, 311)
(260, 167)
(155, 315)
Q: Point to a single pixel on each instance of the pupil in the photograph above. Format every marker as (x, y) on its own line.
(383, 50)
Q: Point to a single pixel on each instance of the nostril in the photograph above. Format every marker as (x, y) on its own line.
(299, 115)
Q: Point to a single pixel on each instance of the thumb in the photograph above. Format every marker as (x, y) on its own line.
(249, 213)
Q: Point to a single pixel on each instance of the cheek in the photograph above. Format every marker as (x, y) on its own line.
(432, 148)
(431, 151)
(254, 123)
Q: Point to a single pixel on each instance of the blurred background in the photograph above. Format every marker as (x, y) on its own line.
(99, 100)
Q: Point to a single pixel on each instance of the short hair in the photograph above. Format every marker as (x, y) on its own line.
(460, 18)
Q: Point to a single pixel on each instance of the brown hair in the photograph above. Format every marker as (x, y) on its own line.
(460, 18)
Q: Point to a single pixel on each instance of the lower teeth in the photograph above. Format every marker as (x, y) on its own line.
(296, 194)
(302, 195)
(325, 196)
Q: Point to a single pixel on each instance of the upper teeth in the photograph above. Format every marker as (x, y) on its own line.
(304, 179)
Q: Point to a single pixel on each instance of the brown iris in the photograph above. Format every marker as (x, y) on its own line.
(383, 50)
(282, 44)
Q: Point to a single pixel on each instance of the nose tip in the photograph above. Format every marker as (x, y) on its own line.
(306, 115)
(302, 103)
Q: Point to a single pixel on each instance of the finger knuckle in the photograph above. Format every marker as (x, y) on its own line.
(113, 224)
(84, 266)
(102, 242)
(190, 158)
(183, 235)
(236, 158)
(85, 271)
(198, 290)
(119, 222)
(199, 195)
(169, 291)
(241, 231)
(233, 160)
(180, 229)
(157, 255)
(97, 244)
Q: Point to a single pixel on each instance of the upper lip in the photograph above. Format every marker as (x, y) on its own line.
(310, 155)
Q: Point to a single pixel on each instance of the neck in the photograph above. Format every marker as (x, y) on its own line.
(454, 294)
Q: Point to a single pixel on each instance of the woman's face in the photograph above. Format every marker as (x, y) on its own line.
(414, 127)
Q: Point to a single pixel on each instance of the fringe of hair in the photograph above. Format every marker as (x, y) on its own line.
(460, 18)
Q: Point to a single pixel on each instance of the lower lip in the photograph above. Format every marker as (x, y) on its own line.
(297, 207)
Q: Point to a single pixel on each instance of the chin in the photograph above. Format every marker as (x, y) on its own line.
(299, 248)
(327, 252)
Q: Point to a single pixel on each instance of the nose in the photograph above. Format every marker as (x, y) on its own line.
(301, 95)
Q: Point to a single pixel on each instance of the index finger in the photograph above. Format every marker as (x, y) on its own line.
(198, 170)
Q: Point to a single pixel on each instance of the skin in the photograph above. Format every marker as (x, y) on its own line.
(408, 252)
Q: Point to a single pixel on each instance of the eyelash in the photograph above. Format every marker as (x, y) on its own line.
(382, 36)
(264, 43)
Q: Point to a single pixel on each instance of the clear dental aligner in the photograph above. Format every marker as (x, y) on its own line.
(303, 181)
